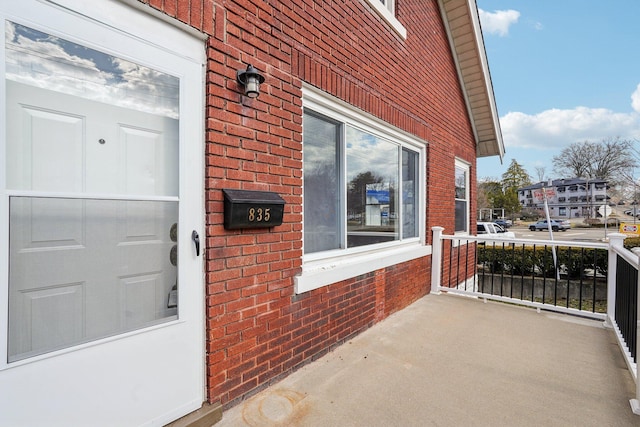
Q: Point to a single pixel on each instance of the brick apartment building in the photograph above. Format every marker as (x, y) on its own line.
(135, 288)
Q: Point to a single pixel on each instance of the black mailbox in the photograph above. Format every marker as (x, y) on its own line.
(252, 209)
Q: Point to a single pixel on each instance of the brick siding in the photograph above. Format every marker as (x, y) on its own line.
(257, 329)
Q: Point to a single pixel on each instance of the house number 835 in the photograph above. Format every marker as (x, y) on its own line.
(259, 214)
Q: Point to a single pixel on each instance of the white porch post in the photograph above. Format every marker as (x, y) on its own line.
(436, 259)
(615, 239)
(635, 403)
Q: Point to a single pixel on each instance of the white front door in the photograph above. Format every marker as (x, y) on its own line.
(100, 277)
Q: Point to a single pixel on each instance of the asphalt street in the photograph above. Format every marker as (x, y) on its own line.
(575, 234)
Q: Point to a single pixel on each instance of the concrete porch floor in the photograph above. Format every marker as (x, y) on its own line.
(455, 361)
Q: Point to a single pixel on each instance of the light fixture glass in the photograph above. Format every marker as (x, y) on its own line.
(250, 79)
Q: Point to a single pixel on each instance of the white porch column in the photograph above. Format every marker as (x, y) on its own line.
(617, 240)
(436, 259)
(635, 403)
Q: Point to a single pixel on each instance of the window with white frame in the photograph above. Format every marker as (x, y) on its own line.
(389, 4)
(387, 11)
(462, 197)
(361, 185)
(364, 193)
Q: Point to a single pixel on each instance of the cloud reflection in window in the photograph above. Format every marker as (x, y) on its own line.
(49, 62)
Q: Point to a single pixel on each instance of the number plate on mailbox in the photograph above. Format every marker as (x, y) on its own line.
(252, 209)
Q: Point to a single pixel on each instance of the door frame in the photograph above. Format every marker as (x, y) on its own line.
(158, 31)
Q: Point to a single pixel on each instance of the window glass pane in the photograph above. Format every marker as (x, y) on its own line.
(321, 184)
(461, 183)
(461, 215)
(461, 199)
(39, 59)
(410, 179)
(87, 121)
(360, 188)
(372, 188)
(81, 270)
(84, 121)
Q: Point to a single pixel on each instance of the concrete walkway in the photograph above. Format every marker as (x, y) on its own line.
(455, 361)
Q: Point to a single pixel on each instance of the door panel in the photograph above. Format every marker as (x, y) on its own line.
(111, 272)
(91, 146)
(49, 136)
(53, 318)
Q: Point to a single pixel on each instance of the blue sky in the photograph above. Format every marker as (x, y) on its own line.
(563, 71)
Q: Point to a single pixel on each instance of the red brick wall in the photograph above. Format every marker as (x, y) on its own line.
(257, 329)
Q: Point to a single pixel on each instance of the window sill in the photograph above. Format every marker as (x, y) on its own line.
(388, 16)
(321, 273)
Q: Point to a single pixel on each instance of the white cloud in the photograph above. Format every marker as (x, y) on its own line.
(533, 139)
(555, 128)
(635, 99)
(498, 22)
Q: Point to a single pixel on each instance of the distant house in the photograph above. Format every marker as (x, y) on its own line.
(567, 198)
(136, 289)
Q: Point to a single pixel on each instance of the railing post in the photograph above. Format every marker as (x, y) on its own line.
(615, 240)
(635, 403)
(436, 259)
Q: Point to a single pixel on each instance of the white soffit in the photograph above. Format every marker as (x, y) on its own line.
(465, 36)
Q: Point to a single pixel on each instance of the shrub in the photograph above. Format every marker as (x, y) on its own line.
(530, 260)
(632, 242)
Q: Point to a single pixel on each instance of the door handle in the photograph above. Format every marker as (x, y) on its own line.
(196, 239)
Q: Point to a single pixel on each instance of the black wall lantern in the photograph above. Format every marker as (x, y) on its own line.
(250, 79)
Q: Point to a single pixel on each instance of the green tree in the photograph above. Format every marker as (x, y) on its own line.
(510, 203)
(490, 194)
(514, 177)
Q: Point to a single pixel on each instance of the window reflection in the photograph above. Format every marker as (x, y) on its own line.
(372, 174)
(370, 197)
(321, 184)
(410, 179)
(461, 202)
(49, 62)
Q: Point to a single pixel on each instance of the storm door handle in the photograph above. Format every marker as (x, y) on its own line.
(196, 240)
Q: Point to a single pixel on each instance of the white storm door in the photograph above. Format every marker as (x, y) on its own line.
(103, 289)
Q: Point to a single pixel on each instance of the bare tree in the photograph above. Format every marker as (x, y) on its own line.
(573, 161)
(610, 159)
(541, 172)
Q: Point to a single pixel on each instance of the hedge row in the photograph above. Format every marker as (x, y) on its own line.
(632, 242)
(530, 260)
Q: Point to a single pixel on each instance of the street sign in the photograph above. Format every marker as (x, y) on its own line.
(604, 210)
(630, 228)
(539, 194)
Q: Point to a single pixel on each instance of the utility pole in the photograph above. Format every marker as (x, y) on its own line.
(549, 228)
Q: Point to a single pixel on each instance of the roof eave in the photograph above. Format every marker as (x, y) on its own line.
(462, 24)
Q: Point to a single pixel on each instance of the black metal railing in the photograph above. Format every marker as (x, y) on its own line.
(626, 303)
(573, 279)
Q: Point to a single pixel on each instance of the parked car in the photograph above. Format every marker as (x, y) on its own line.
(556, 224)
(492, 230)
(633, 212)
(504, 223)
